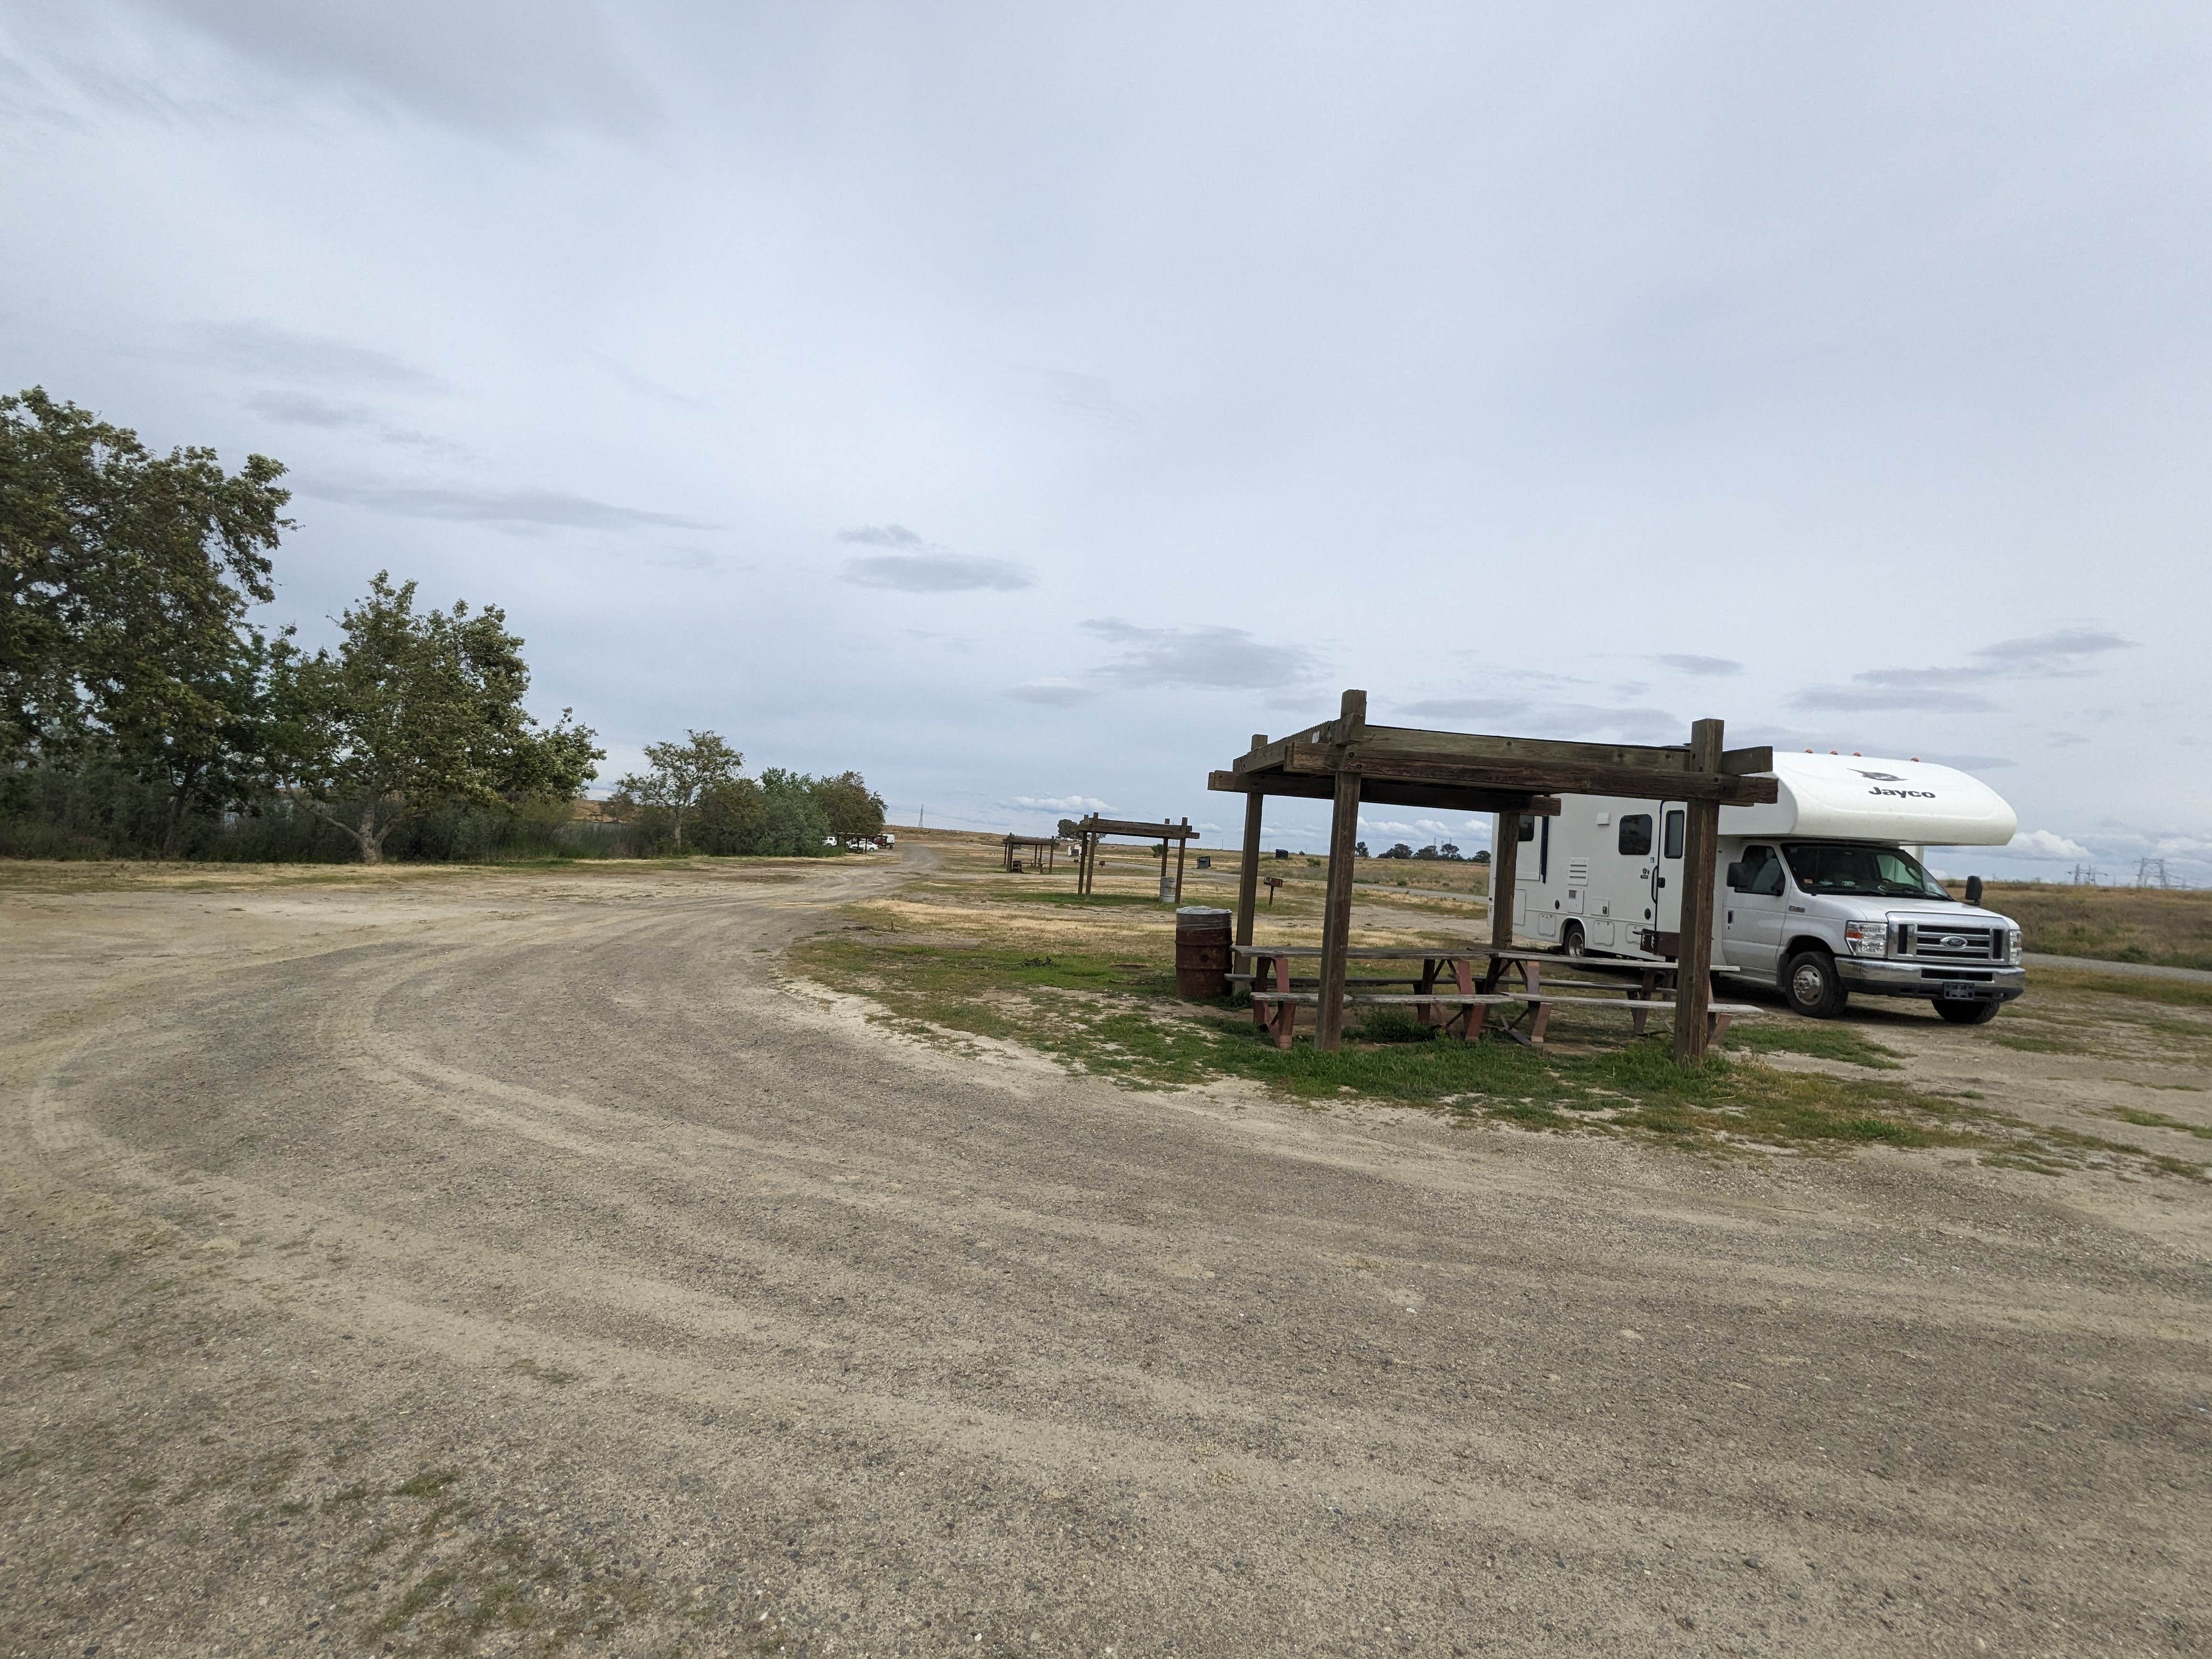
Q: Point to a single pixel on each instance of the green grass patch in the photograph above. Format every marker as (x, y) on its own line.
(2159, 1121)
(1822, 1039)
(1096, 992)
(1122, 1021)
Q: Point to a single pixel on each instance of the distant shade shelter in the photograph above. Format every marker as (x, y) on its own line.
(1089, 830)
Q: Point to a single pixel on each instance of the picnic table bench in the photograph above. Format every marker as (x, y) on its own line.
(1461, 1011)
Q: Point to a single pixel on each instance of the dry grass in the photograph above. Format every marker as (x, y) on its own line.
(2111, 923)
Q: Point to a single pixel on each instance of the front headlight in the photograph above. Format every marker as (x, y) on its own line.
(1867, 939)
(2015, 947)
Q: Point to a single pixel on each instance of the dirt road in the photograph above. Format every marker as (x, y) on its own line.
(493, 1263)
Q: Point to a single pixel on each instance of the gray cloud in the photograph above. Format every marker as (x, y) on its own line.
(1971, 763)
(2042, 656)
(1684, 664)
(305, 408)
(1051, 693)
(1465, 708)
(509, 509)
(254, 347)
(1555, 719)
(2039, 652)
(508, 67)
(1199, 656)
(882, 535)
(1864, 699)
(1092, 395)
(937, 573)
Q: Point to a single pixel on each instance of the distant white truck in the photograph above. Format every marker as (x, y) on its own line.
(1820, 894)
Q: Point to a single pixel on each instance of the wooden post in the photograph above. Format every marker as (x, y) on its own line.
(1182, 847)
(1504, 865)
(1336, 908)
(1693, 965)
(1247, 877)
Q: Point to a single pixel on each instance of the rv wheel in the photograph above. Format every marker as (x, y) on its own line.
(1571, 941)
(1968, 1013)
(1812, 985)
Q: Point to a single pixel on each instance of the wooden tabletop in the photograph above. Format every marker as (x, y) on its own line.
(1370, 953)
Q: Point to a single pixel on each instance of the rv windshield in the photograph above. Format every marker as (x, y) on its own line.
(1846, 868)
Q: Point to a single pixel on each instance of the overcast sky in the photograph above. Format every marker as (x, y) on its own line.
(1025, 404)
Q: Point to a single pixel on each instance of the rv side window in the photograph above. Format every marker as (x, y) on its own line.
(1674, 834)
(1762, 872)
(1528, 827)
(1636, 833)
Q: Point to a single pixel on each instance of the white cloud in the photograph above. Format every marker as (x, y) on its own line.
(1058, 804)
(2046, 844)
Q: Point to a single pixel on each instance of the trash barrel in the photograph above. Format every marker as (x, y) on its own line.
(1201, 951)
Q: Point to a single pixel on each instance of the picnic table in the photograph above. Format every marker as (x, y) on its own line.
(1462, 1010)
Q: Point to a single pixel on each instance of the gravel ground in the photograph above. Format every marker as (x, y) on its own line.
(514, 1263)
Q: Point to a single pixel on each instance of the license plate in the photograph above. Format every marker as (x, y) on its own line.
(1961, 994)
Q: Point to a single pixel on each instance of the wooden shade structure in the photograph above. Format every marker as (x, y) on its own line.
(1346, 760)
(1092, 829)
(1040, 849)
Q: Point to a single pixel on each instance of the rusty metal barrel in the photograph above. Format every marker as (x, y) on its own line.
(1201, 951)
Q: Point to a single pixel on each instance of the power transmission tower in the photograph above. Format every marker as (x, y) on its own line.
(2151, 872)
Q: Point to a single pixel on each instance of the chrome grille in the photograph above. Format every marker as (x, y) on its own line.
(1932, 941)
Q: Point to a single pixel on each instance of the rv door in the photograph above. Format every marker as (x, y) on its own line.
(1667, 868)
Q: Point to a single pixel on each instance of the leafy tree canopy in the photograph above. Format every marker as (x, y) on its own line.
(416, 708)
(680, 774)
(127, 576)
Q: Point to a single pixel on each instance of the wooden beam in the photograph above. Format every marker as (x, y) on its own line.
(1637, 781)
(1505, 864)
(1139, 830)
(1247, 874)
(1694, 963)
(1336, 913)
(1182, 846)
(1384, 792)
(1375, 740)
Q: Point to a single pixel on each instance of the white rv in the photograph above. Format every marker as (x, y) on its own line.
(1820, 894)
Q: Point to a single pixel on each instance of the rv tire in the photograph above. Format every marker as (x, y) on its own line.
(1814, 987)
(1968, 1013)
(1571, 941)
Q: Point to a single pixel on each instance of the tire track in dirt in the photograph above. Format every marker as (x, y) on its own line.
(1028, 1354)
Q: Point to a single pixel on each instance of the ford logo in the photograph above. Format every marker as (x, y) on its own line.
(1954, 941)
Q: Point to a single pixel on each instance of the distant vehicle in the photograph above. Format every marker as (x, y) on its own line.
(887, 840)
(1820, 894)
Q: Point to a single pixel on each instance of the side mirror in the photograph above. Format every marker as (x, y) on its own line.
(1973, 890)
(1737, 879)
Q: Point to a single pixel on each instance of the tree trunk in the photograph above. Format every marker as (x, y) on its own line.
(177, 809)
(679, 829)
(371, 839)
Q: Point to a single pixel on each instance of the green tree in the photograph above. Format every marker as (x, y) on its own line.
(415, 709)
(124, 578)
(850, 806)
(206, 732)
(681, 773)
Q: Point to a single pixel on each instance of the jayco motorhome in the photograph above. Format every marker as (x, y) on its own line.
(1820, 893)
